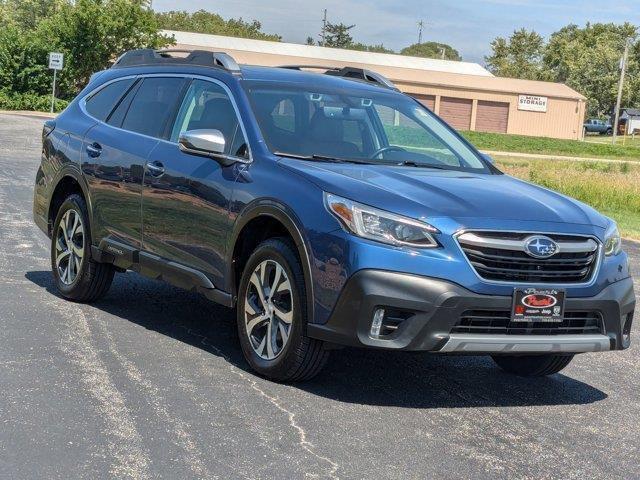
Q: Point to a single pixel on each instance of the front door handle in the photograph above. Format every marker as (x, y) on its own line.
(156, 169)
(94, 150)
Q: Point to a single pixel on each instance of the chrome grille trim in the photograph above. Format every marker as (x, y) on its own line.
(471, 238)
(514, 241)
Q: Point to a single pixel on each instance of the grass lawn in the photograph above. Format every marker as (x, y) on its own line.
(611, 188)
(550, 146)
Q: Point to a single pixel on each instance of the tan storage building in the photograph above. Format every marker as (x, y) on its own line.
(464, 94)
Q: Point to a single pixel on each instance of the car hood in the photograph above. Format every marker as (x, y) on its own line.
(428, 193)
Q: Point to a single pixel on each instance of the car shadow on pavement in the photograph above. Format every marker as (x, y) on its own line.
(359, 376)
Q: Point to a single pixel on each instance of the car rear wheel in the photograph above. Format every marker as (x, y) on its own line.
(533, 365)
(77, 277)
(272, 315)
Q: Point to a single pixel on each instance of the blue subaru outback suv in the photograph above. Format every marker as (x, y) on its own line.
(329, 209)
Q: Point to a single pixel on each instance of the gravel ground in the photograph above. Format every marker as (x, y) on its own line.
(150, 383)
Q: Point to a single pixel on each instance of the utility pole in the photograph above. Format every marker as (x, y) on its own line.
(324, 26)
(623, 70)
(420, 26)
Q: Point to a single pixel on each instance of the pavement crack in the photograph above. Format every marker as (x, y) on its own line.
(303, 442)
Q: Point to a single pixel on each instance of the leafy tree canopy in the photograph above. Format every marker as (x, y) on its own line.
(207, 22)
(26, 14)
(432, 50)
(337, 35)
(380, 48)
(91, 34)
(585, 58)
(519, 56)
(588, 60)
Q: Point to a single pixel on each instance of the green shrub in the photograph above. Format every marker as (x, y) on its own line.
(29, 101)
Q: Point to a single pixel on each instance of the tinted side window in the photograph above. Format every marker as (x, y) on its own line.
(100, 104)
(117, 116)
(153, 106)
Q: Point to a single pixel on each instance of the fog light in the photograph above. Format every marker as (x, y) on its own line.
(376, 325)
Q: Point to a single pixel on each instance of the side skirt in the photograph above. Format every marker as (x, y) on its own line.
(152, 266)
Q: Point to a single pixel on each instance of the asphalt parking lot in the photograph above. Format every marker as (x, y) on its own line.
(150, 383)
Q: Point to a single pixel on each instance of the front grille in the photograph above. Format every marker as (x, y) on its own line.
(501, 256)
(498, 322)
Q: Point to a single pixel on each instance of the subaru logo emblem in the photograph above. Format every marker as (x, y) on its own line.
(540, 246)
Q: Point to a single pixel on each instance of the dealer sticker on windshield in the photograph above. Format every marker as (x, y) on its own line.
(538, 305)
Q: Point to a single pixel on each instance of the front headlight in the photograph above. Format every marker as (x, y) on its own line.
(374, 224)
(612, 240)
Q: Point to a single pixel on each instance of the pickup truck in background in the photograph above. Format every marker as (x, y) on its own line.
(598, 126)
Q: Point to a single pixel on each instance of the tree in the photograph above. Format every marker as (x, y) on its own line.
(337, 35)
(26, 14)
(207, 22)
(380, 48)
(91, 34)
(588, 59)
(432, 50)
(22, 68)
(518, 56)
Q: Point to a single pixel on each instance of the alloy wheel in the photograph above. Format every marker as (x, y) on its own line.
(69, 246)
(268, 309)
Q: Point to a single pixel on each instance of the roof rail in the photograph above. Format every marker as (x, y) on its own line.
(354, 73)
(204, 58)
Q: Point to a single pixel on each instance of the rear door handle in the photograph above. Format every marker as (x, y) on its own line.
(155, 168)
(94, 150)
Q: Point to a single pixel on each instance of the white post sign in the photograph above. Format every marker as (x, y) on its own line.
(56, 62)
(532, 103)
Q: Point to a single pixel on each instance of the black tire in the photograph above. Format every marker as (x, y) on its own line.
(533, 365)
(93, 279)
(610, 131)
(301, 357)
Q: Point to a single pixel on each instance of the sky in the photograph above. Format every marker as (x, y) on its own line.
(469, 26)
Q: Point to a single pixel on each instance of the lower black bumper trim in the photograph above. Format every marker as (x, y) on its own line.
(436, 306)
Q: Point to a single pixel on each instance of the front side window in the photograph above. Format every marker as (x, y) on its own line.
(153, 105)
(100, 104)
(369, 126)
(207, 106)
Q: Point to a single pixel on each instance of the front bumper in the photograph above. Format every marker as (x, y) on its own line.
(434, 307)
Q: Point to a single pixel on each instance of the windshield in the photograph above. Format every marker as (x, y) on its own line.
(354, 125)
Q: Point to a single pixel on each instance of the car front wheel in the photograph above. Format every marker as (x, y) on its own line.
(272, 315)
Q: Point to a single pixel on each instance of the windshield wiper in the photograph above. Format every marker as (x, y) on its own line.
(322, 158)
(410, 163)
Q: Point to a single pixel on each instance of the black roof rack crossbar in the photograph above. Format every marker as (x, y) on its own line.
(354, 73)
(204, 58)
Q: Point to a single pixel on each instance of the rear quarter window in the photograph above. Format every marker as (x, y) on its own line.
(153, 105)
(100, 104)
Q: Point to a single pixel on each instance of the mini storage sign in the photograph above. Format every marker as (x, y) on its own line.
(532, 103)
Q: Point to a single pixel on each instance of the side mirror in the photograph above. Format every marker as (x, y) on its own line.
(205, 142)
